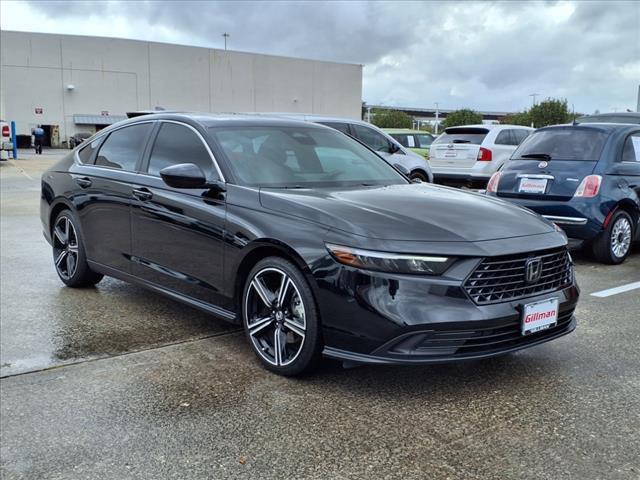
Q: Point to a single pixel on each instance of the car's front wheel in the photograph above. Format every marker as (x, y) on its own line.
(69, 255)
(419, 175)
(280, 317)
(614, 243)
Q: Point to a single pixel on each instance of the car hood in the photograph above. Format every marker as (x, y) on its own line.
(416, 212)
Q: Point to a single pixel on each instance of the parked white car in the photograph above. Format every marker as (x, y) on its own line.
(5, 140)
(470, 154)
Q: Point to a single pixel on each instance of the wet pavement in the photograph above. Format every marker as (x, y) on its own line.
(144, 387)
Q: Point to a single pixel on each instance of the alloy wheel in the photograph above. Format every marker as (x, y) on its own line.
(275, 316)
(621, 237)
(65, 247)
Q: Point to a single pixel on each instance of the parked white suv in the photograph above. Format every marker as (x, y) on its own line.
(5, 140)
(470, 154)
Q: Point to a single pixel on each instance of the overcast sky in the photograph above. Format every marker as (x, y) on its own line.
(485, 55)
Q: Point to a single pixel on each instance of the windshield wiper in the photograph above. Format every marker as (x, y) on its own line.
(458, 140)
(546, 156)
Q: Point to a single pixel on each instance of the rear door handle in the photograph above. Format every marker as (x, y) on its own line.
(84, 182)
(142, 194)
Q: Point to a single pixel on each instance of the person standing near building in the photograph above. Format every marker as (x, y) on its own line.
(38, 139)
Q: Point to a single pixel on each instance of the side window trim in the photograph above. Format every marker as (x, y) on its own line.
(154, 136)
(104, 137)
(146, 154)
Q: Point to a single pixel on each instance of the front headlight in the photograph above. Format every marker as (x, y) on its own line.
(389, 262)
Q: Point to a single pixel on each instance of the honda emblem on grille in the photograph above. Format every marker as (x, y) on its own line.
(533, 270)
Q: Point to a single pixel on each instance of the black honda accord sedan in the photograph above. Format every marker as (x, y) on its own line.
(308, 239)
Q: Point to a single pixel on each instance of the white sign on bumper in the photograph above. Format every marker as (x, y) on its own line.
(539, 316)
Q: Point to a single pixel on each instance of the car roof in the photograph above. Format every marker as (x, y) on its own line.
(491, 126)
(404, 130)
(634, 115)
(602, 127)
(312, 117)
(219, 119)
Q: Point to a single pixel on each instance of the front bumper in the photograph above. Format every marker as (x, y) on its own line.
(372, 317)
(444, 346)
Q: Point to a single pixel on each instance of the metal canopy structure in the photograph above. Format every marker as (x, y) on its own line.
(87, 119)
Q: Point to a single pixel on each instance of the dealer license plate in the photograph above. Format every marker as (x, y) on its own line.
(533, 185)
(539, 316)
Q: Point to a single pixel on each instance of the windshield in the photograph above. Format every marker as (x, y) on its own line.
(301, 157)
(474, 136)
(563, 144)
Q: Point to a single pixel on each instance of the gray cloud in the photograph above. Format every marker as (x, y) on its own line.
(481, 55)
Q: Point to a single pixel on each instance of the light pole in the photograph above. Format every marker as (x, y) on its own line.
(225, 35)
(533, 96)
(533, 103)
(437, 116)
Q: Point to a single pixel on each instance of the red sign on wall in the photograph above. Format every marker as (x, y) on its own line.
(38, 110)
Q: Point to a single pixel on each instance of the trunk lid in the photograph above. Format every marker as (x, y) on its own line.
(457, 147)
(558, 180)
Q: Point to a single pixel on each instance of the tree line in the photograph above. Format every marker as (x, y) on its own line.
(547, 112)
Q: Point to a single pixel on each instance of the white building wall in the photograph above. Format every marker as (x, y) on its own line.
(117, 76)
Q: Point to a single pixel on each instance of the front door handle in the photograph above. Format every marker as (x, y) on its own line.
(142, 194)
(84, 182)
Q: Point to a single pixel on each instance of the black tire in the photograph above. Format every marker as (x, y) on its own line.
(418, 175)
(69, 257)
(613, 245)
(291, 324)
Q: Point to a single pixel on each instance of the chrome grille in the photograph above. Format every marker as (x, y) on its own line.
(501, 279)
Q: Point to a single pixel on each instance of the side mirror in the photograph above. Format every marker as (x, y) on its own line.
(416, 180)
(184, 175)
(393, 148)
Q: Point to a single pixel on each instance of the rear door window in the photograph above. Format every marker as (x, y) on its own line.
(474, 136)
(563, 144)
(123, 148)
(505, 137)
(86, 153)
(520, 134)
(631, 149)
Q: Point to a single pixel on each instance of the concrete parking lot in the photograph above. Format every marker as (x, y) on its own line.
(116, 382)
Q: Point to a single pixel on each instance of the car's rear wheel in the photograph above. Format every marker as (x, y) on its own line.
(69, 255)
(280, 317)
(614, 243)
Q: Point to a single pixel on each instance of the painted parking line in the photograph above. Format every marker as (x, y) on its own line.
(616, 290)
(11, 162)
